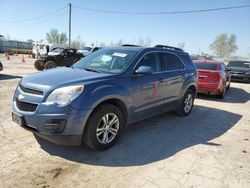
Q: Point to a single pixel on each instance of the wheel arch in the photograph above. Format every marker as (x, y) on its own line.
(114, 101)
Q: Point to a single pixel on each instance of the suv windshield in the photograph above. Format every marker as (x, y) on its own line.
(243, 64)
(57, 50)
(207, 66)
(112, 61)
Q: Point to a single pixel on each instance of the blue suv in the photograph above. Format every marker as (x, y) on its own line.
(93, 101)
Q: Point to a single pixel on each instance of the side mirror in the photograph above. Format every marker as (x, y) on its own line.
(228, 69)
(144, 70)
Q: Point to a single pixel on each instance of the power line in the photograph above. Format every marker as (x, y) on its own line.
(164, 12)
(35, 18)
(36, 23)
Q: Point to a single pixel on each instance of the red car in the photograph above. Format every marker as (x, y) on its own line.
(213, 77)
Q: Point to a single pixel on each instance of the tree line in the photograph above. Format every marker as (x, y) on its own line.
(223, 46)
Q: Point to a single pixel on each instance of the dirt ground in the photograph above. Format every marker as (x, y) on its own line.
(209, 148)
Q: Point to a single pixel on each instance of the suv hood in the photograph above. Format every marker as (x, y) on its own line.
(60, 77)
(239, 69)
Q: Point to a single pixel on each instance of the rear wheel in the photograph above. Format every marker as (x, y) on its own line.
(228, 85)
(103, 127)
(222, 94)
(186, 104)
(39, 65)
(50, 64)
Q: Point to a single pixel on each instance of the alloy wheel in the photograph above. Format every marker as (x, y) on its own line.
(107, 128)
(188, 103)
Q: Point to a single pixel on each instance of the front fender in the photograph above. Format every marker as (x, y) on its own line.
(96, 96)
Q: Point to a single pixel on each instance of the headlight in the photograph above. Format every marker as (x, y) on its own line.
(247, 73)
(65, 95)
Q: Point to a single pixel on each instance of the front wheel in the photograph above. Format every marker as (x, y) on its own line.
(50, 64)
(186, 104)
(39, 65)
(103, 127)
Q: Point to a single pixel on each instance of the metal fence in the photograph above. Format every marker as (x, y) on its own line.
(14, 45)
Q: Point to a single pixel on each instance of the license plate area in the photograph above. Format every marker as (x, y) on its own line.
(18, 119)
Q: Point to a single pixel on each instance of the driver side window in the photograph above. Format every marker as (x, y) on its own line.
(151, 60)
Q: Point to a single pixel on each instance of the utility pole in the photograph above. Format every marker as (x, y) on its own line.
(69, 24)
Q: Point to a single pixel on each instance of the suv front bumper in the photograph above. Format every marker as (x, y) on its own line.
(60, 125)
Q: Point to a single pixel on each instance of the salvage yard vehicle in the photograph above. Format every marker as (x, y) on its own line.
(88, 50)
(58, 57)
(240, 70)
(213, 77)
(92, 101)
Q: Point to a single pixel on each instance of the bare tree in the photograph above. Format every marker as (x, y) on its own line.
(77, 43)
(55, 37)
(181, 45)
(102, 44)
(224, 46)
(7, 37)
(148, 41)
(119, 42)
(144, 41)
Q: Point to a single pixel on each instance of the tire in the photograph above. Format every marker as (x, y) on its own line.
(50, 64)
(228, 86)
(186, 105)
(222, 94)
(39, 65)
(96, 128)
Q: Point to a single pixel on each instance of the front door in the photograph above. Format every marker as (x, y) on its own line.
(147, 90)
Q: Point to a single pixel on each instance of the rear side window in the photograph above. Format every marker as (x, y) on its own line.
(171, 62)
(151, 60)
(206, 66)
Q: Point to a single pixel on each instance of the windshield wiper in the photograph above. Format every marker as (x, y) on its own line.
(92, 70)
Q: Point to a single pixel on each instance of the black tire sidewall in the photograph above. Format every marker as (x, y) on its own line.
(49, 63)
(89, 136)
(39, 65)
(180, 110)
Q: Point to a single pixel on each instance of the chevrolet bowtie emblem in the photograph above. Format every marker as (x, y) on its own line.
(20, 97)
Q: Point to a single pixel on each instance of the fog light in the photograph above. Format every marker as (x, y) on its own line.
(55, 125)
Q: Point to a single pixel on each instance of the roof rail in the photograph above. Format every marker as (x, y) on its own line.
(167, 47)
(131, 45)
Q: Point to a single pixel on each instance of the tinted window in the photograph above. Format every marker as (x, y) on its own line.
(151, 60)
(206, 66)
(244, 64)
(171, 62)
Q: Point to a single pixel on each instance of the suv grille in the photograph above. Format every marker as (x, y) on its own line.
(24, 106)
(31, 91)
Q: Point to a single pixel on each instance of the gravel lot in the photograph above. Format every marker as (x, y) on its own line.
(209, 148)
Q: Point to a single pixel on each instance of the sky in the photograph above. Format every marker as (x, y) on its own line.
(29, 19)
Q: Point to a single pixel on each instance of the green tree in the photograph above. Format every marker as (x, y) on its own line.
(55, 37)
(224, 46)
(30, 41)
